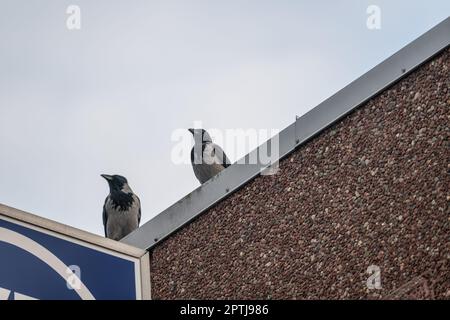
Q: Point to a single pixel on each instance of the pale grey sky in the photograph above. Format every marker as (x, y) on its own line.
(107, 98)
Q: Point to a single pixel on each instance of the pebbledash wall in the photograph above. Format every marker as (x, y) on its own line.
(371, 189)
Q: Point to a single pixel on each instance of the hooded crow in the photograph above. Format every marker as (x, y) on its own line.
(207, 158)
(122, 208)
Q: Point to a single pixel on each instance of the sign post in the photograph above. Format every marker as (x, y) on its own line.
(43, 259)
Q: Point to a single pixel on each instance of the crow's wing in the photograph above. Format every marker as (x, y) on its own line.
(139, 213)
(192, 155)
(105, 216)
(221, 156)
(198, 157)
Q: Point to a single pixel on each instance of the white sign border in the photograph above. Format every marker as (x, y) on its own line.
(139, 257)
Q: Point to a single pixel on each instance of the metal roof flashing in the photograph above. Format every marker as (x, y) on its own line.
(304, 128)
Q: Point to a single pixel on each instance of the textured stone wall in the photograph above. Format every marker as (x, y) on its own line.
(373, 189)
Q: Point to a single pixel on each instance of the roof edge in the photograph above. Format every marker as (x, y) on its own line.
(304, 128)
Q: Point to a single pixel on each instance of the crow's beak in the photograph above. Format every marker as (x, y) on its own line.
(191, 130)
(107, 177)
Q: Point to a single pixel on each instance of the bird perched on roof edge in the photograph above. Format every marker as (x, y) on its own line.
(122, 208)
(207, 158)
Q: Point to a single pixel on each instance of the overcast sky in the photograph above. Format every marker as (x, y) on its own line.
(108, 97)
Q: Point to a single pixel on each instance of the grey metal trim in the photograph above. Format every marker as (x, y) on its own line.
(328, 112)
(145, 277)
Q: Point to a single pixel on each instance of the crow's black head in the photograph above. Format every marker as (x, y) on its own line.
(200, 135)
(116, 182)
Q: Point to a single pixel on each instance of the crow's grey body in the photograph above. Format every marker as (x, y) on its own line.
(121, 211)
(207, 158)
(118, 223)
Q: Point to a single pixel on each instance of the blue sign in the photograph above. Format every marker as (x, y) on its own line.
(39, 264)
